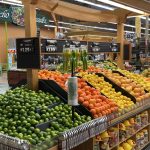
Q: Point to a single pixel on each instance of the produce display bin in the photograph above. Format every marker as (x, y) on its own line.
(52, 87)
(115, 71)
(117, 88)
(121, 74)
(20, 83)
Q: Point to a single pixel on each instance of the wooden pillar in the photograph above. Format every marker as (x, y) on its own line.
(147, 36)
(30, 31)
(111, 56)
(138, 26)
(120, 39)
(55, 31)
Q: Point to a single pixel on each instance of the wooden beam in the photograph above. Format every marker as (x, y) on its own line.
(34, 2)
(75, 11)
(119, 12)
(100, 33)
(120, 39)
(79, 12)
(138, 4)
(30, 31)
(138, 27)
(54, 7)
(54, 18)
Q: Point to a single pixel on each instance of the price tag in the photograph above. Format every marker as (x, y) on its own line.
(51, 45)
(28, 53)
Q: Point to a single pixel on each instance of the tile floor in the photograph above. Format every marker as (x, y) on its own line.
(3, 83)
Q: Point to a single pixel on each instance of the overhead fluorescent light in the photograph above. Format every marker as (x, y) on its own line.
(64, 27)
(91, 35)
(95, 27)
(122, 6)
(86, 26)
(144, 18)
(107, 29)
(94, 4)
(12, 2)
(129, 31)
(60, 27)
(50, 26)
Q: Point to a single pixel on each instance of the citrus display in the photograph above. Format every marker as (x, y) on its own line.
(123, 102)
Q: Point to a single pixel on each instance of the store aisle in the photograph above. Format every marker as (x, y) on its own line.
(3, 83)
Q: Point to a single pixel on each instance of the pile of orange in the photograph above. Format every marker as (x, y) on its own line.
(89, 97)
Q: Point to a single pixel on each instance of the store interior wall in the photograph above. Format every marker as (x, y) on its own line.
(17, 32)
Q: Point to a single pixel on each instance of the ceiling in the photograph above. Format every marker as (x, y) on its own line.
(93, 26)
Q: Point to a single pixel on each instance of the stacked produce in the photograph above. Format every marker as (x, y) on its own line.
(91, 98)
(97, 104)
(108, 65)
(91, 69)
(123, 102)
(146, 73)
(137, 79)
(128, 145)
(133, 88)
(21, 110)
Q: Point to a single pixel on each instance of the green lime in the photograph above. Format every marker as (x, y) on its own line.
(37, 130)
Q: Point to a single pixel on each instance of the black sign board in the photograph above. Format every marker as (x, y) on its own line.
(28, 53)
(52, 45)
(83, 43)
(103, 47)
(56, 46)
(126, 55)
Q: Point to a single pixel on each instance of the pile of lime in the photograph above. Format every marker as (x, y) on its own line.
(19, 118)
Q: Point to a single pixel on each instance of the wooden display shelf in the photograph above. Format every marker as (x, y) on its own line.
(134, 133)
(128, 115)
(120, 119)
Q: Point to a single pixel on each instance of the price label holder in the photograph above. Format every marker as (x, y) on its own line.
(51, 46)
(28, 53)
(95, 47)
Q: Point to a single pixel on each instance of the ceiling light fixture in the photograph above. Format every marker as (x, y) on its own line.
(94, 4)
(95, 27)
(108, 29)
(60, 27)
(86, 26)
(11, 2)
(144, 18)
(122, 6)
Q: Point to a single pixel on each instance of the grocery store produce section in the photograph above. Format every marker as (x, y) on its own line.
(113, 110)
